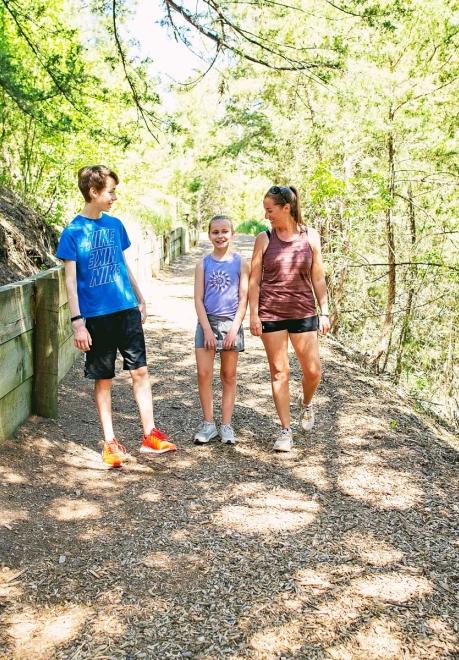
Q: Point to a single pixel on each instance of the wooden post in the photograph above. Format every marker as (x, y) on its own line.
(46, 358)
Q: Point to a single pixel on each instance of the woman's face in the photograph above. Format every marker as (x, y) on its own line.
(275, 213)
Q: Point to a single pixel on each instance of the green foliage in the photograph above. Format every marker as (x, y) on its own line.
(252, 227)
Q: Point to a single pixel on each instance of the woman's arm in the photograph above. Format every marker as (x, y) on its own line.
(81, 337)
(242, 306)
(318, 280)
(209, 337)
(256, 269)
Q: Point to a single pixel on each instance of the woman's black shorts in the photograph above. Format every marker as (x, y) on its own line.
(111, 332)
(308, 324)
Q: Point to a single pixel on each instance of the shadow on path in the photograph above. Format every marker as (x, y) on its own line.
(345, 548)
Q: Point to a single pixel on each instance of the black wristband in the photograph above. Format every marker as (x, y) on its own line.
(75, 318)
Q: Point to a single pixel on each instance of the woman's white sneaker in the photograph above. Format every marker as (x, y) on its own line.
(205, 433)
(306, 415)
(285, 441)
(227, 434)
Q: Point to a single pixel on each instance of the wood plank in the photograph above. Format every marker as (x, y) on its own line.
(67, 356)
(15, 407)
(16, 309)
(56, 274)
(16, 358)
(46, 353)
(64, 327)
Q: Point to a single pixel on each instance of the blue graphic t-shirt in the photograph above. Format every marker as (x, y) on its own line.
(221, 285)
(102, 279)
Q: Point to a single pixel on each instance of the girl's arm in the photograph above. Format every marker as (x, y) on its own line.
(209, 337)
(228, 342)
(318, 280)
(261, 243)
(138, 294)
(81, 337)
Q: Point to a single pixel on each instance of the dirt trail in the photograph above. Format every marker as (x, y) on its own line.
(345, 548)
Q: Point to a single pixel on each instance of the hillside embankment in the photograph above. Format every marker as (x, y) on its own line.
(27, 243)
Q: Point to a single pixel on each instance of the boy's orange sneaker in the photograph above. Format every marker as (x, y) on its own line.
(111, 455)
(156, 442)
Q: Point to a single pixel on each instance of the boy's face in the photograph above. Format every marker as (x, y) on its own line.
(103, 199)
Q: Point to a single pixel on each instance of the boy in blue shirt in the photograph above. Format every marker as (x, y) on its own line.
(107, 308)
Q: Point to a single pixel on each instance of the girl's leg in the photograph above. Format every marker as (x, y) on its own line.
(306, 345)
(228, 378)
(276, 347)
(205, 366)
(103, 398)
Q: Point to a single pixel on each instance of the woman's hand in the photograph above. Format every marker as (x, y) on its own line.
(324, 325)
(255, 326)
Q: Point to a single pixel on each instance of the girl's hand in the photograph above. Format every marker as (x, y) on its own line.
(324, 325)
(209, 340)
(228, 342)
(255, 326)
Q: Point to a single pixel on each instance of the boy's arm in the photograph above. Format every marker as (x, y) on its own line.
(242, 307)
(138, 294)
(318, 280)
(81, 337)
(209, 337)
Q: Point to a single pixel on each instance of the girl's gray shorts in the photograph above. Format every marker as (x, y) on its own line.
(220, 325)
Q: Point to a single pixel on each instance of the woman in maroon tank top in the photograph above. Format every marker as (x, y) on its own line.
(287, 282)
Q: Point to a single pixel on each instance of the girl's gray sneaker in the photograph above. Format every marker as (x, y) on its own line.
(205, 432)
(285, 441)
(227, 434)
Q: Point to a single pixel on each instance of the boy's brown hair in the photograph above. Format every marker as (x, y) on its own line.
(94, 176)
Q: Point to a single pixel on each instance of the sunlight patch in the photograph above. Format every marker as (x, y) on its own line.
(10, 516)
(372, 550)
(10, 477)
(265, 512)
(150, 496)
(383, 488)
(392, 587)
(66, 509)
(312, 474)
(270, 642)
(37, 634)
(381, 640)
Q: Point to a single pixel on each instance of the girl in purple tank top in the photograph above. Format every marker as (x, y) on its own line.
(220, 296)
(287, 281)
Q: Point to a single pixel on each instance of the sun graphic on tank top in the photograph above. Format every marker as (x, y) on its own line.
(219, 280)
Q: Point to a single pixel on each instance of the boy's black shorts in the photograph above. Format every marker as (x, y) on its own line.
(110, 332)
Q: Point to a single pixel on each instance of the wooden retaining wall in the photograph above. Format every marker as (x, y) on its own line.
(36, 338)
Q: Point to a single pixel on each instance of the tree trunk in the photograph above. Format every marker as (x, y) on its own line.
(381, 353)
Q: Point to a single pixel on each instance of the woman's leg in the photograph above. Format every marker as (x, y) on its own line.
(276, 347)
(205, 367)
(306, 345)
(228, 378)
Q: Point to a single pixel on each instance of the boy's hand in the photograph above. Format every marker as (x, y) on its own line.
(81, 337)
(209, 339)
(143, 311)
(228, 342)
(255, 326)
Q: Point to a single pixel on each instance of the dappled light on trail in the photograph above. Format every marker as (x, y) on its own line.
(343, 548)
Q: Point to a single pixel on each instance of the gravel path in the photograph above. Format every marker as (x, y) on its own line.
(345, 548)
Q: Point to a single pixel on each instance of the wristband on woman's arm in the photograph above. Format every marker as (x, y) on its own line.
(76, 318)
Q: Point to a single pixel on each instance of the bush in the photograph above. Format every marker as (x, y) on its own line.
(252, 227)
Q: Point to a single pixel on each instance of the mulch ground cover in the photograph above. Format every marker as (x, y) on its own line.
(345, 548)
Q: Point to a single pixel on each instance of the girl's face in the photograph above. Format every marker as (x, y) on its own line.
(220, 233)
(275, 213)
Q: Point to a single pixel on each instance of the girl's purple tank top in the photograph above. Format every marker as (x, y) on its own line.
(286, 289)
(221, 285)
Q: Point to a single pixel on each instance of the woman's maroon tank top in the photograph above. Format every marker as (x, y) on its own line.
(286, 289)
